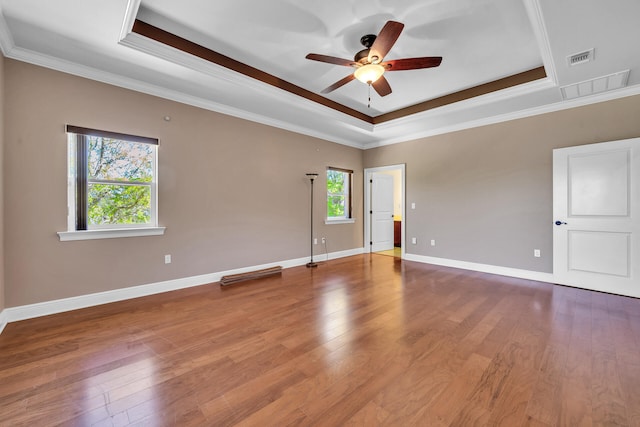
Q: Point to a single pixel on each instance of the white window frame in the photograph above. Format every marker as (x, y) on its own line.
(348, 194)
(74, 136)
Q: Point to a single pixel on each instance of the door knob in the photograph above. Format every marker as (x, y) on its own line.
(560, 223)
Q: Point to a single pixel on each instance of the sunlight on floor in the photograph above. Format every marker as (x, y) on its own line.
(396, 252)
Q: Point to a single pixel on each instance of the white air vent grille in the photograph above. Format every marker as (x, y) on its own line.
(580, 58)
(595, 86)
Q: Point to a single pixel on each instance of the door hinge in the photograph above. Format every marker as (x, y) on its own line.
(371, 181)
(370, 243)
(370, 212)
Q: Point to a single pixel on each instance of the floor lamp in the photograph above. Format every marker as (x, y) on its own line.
(311, 177)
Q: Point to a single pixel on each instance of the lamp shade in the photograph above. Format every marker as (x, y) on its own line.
(369, 73)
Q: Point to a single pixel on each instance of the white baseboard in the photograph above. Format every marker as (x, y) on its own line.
(336, 255)
(3, 320)
(484, 268)
(14, 314)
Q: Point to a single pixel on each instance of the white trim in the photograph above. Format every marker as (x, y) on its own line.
(21, 54)
(367, 205)
(179, 57)
(536, 17)
(129, 17)
(469, 103)
(339, 221)
(531, 112)
(343, 254)
(173, 95)
(110, 233)
(6, 39)
(14, 314)
(134, 41)
(484, 268)
(4, 319)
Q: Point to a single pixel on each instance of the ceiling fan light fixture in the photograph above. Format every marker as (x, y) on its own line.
(369, 73)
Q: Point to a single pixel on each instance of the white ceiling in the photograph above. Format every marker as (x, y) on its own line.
(480, 40)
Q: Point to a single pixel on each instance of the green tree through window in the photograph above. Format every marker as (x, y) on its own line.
(114, 179)
(338, 193)
(119, 174)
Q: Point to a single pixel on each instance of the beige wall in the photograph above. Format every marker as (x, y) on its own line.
(232, 193)
(2, 292)
(485, 194)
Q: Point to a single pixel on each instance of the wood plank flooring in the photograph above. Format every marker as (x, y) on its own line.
(361, 341)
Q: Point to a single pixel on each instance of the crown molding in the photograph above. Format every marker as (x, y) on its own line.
(345, 130)
(6, 40)
(75, 69)
(130, 14)
(536, 17)
(176, 56)
(530, 112)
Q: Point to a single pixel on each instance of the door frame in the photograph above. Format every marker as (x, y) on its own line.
(367, 205)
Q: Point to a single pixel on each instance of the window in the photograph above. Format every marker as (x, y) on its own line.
(112, 180)
(338, 194)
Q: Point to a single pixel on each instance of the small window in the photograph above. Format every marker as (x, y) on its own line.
(112, 180)
(338, 193)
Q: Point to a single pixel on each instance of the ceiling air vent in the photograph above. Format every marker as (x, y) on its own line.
(580, 58)
(594, 86)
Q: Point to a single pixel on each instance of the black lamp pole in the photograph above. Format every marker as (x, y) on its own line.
(311, 177)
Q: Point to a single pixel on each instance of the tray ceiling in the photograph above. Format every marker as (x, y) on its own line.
(502, 59)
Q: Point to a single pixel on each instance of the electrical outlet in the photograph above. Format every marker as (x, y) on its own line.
(324, 240)
(414, 241)
(433, 242)
(413, 205)
(315, 241)
(536, 253)
(167, 259)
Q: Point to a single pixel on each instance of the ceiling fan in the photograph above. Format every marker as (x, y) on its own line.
(369, 63)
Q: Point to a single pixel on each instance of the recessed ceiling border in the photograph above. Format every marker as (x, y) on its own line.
(463, 95)
(536, 17)
(166, 38)
(12, 51)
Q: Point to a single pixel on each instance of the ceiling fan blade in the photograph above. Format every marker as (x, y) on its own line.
(412, 63)
(339, 83)
(331, 60)
(382, 86)
(385, 41)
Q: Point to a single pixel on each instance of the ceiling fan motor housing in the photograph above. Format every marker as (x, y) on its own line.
(367, 42)
(362, 57)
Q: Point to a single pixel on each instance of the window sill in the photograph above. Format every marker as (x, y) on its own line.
(110, 233)
(340, 221)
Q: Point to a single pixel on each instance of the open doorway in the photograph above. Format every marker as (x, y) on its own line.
(385, 210)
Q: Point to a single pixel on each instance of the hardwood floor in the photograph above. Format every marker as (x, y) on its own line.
(360, 341)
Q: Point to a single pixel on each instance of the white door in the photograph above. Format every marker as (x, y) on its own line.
(381, 212)
(596, 207)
